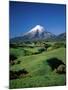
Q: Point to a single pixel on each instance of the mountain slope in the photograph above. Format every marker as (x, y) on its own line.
(38, 32)
(61, 37)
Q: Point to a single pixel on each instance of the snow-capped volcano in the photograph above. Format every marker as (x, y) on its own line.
(38, 28)
(38, 32)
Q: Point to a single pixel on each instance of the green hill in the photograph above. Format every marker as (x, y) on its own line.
(40, 73)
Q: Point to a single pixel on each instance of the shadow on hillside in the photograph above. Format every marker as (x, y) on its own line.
(54, 63)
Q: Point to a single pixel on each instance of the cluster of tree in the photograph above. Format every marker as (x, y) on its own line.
(58, 45)
(61, 69)
(47, 46)
(13, 45)
(57, 65)
(17, 74)
(27, 53)
(41, 50)
(28, 42)
(13, 58)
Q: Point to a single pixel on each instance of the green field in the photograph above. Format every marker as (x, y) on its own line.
(40, 73)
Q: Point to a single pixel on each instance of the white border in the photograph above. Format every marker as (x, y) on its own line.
(4, 40)
(44, 1)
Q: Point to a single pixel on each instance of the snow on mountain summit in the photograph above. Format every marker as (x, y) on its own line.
(38, 32)
(38, 28)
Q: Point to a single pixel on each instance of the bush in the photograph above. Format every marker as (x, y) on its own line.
(58, 45)
(13, 45)
(41, 50)
(47, 46)
(36, 53)
(13, 75)
(17, 74)
(28, 42)
(18, 62)
(26, 52)
(12, 63)
(13, 57)
(54, 63)
(61, 69)
(31, 46)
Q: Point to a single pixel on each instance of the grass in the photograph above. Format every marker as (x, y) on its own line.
(17, 51)
(40, 73)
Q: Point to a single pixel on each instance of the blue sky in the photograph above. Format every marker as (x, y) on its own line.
(24, 16)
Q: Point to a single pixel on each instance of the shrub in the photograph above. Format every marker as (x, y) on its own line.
(23, 72)
(54, 63)
(26, 52)
(13, 75)
(36, 53)
(31, 46)
(47, 46)
(58, 45)
(12, 57)
(13, 45)
(61, 69)
(41, 50)
(12, 63)
(28, 42)
(17, 74)
(18, 62)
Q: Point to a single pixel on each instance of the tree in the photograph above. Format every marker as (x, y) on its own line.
(12, 59)
(47, 46)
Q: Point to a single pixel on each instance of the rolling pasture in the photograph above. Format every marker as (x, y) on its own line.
(39, 66)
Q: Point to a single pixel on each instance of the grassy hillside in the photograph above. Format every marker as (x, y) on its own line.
(40, 74)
